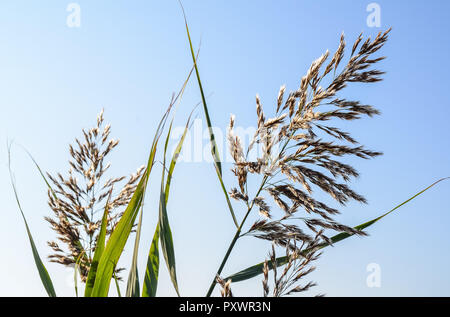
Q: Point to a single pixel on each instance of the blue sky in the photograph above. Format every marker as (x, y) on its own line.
(130, 56)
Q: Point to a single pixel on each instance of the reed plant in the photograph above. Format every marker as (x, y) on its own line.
(295, 152)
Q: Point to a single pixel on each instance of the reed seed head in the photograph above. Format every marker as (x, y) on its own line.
(79, 198)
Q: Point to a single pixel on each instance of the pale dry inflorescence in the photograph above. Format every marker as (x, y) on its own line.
(79, 199)
(300, 151)
(298, 266)
(225, 290)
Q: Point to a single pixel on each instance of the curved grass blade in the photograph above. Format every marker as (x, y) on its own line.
(117, 284)
(163, 227)
(175, 157)
(258, 268)
(50, 188)
(167, 241)
(119, 236)
(133, 277)
(75, 278)
(75, 274)
(43, 273)
(98, 252)
(152, 271)
(212, 138)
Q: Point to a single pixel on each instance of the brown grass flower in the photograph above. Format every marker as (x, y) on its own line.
(301, 151)
(79, 198)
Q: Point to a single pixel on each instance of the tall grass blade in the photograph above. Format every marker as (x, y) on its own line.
(43, 273)
(133, 277)
(98, 252)
(174, 159)
(75, 274)
(164, 226)
(50, 188)
(119, 236)
(152, 271)
(117, 285)
(167, 241)
(258, 268)
(75, 279)
(214, 148)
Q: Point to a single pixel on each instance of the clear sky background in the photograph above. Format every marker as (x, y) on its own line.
(130, 56)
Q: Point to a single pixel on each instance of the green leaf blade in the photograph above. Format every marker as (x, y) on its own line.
(167, 241)
(212, 137)
(117, 241)
(100, 247)
(119, 236)
(133, 277)
(163, 230)
(257, 269)
(152, 271)
(43, 273)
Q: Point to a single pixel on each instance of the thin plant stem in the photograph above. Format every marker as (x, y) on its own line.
(238, 232)
(233, 242)
(214, 149)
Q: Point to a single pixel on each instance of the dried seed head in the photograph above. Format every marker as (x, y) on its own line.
(77, 200)
(302, 152)
(226, 290)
